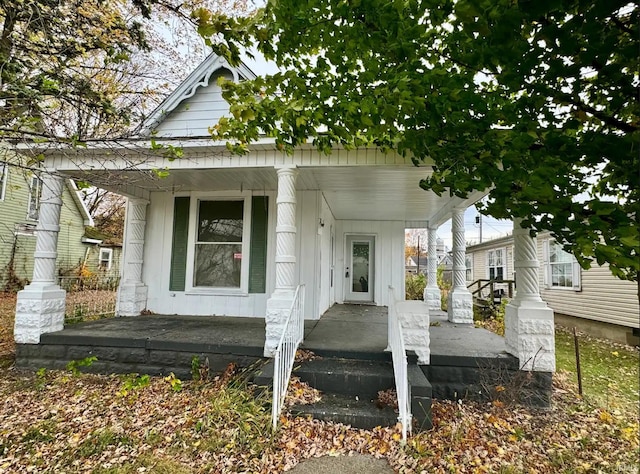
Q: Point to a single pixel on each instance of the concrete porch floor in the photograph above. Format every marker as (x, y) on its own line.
(348, 331)
(351, 330)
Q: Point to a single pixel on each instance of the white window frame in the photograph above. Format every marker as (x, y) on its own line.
(503, 250)
(4, 177)
(576, 270)
(196, 197)
(109, 261)
(468, 263)
(33, 206)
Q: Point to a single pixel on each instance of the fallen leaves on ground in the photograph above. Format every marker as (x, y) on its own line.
(301, 393)
(54, 422)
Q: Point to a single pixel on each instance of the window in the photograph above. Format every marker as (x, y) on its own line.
(4, 177)
(468, 261)
(218, 246)
(25, 229)
(105, 258)
(496, 264)
(563, 270)
(35, 189)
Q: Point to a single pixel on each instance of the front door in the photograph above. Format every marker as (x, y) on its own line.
(359, 268)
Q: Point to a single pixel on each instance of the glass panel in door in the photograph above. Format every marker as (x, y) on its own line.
(359, 269)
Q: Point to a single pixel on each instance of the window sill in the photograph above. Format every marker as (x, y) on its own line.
(563, 288)
(216, 292)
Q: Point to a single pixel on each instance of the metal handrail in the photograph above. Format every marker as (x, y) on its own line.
(284, 356)
(400, 371)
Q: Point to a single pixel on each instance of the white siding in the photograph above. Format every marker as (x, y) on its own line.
(479, 265)
(308, 249)
(326, 281)
(195, 115)
(603, 297)
(157, 265)
(389, 256)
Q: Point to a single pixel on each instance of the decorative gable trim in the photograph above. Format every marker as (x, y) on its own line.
(200, 77)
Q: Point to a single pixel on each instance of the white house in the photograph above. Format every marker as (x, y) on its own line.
(592, 299)
(212, 233)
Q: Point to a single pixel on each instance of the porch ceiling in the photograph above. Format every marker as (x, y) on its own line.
(352, 192)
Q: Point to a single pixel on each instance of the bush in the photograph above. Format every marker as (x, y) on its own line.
(414, 286)
(445, 287)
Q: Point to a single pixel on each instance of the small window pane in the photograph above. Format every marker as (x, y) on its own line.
(220, 221)
(4, 172)
(218, 265)
(34, 198)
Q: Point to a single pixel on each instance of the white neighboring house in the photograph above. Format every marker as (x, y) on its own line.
(592, 299)
(214, 233)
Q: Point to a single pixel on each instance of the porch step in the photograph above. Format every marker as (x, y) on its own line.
(361, 378)
(350, 392)
(348, 410)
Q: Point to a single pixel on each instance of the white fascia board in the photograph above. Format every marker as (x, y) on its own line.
(75, 194)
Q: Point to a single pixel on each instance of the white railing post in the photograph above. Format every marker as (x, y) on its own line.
(400, 372)
(285, 353)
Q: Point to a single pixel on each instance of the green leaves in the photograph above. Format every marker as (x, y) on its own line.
(532, 100)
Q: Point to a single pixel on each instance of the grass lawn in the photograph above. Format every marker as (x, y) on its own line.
(610, 372)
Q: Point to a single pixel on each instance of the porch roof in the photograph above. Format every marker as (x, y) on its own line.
(362, 184)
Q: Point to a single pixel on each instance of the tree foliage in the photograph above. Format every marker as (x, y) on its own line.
(77, 69)
(536, 101)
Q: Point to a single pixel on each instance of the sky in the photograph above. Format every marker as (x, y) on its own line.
(491, 228)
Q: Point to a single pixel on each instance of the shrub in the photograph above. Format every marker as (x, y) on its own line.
(414, 286)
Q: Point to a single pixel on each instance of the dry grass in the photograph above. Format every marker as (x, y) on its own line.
(81, 306)
(7, 316)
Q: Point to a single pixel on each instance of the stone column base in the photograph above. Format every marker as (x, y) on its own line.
(132, 299)
(432, 297)
(278, 307)
(39, 310)
(460, 306)
(414, 319)
(530, 336)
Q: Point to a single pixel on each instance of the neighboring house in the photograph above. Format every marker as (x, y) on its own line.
(592, 299)
(20, 192)
(413, 264)
(103, 253)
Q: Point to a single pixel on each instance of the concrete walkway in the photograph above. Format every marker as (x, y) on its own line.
(356, 464)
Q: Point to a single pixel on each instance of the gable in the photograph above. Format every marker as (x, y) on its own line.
(194, 115)
(197, 102)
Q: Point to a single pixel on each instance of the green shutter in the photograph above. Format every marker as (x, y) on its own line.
(258, 255)
(178, 273)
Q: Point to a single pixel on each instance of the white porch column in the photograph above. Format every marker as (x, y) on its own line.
(529, 324)
(432, 292)
(132, 292)
(279, 303)
(40, 306)
(460, 301)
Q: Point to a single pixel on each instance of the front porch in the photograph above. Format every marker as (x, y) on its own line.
(461, 355)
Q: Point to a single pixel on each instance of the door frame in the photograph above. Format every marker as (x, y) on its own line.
(349, 295)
